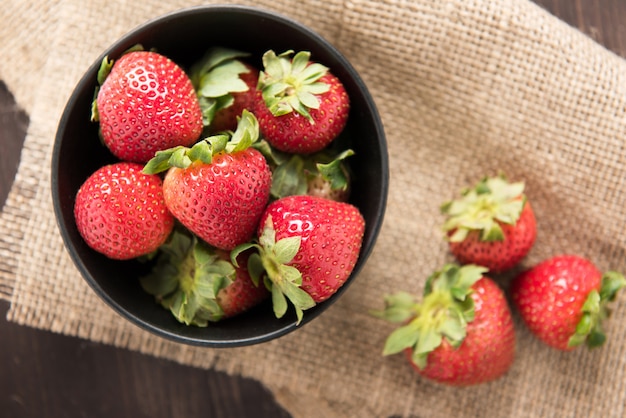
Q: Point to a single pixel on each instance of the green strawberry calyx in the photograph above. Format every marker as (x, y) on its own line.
(270, 263)
(492, 202)
(291, 84)
(595, 310)
(296, 174)
(246, 134)
(216, 77)
(443, 313)
(186, 278)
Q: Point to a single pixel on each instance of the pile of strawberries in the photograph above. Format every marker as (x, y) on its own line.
(228, 180)
(461, 332)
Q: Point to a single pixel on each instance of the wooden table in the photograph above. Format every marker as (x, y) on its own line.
(49, 375)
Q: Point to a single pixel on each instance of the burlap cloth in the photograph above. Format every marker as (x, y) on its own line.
(465, 88)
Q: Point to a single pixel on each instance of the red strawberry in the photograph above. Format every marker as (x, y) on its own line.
(226, 86)
(301, 106)
(564, 299)
(199, 284)
(492, 225)
(146, 103)
(460, 334)
(307, 248)
(219, 188)
(121, 213)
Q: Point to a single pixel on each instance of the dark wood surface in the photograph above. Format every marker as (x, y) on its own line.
(43, 374)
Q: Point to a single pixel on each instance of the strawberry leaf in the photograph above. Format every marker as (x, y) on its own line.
(464, 278)
(218, 142)
(311, 74)
(240, 249)
(420, 360)
(179, 158)
(596, 338)
(592, 303)
(255, 268)
(223, 80)
(334, 171)
(454, 330)
(300, 61)
(279, 301)
(160, 162)
(399, 308)
(588, 329)
(286, 249)
(201, 151)
(105, 68)
(400, 339)
(246, 134)
(583, 327)
(306, 99)
(612, 282)
(428, 341)
(317, 88)
(300, 299)
(490, 232)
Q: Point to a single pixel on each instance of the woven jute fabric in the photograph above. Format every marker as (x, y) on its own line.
(465, 88)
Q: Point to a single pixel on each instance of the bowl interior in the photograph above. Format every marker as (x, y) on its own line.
(184, 36)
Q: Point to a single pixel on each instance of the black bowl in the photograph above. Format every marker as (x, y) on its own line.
(184, 36)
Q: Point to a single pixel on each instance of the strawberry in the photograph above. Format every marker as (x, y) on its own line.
(220, 187)
(460, 334)
(301, 106)
(307, 248)
(198, 284)
(492, 225)
(145, 103)
(564, 300)
(121, 212)
(226, 86)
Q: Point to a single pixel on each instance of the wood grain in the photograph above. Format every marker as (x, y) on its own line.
(49, 375)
